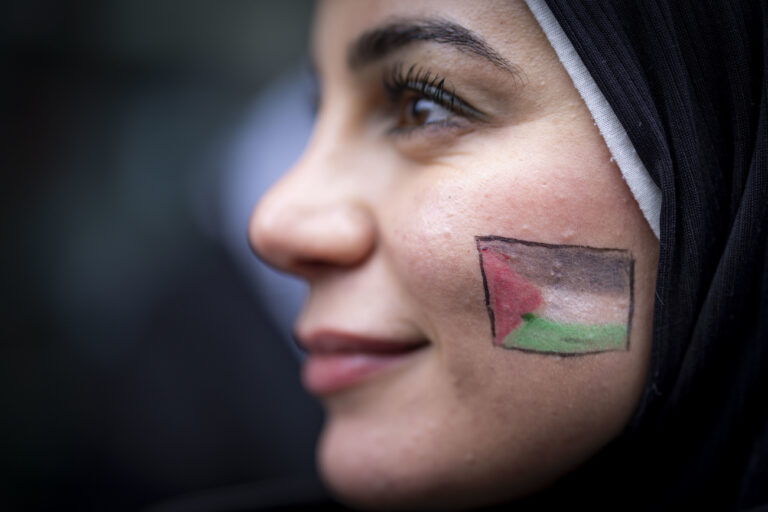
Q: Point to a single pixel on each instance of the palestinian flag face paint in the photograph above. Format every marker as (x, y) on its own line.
(557, 299)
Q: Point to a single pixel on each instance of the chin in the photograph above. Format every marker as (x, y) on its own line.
(370, 483)
(371, 470)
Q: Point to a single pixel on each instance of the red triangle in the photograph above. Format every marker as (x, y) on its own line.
(510, 295)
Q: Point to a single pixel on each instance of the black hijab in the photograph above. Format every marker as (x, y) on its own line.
(687, 79)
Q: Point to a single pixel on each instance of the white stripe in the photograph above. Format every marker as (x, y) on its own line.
(647, 194)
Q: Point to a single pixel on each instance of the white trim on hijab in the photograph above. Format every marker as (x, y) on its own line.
(646, 192)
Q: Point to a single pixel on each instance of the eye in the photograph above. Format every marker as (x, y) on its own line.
(424, 111)
(420, 99)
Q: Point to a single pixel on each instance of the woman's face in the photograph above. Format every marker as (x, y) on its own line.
(456, 370)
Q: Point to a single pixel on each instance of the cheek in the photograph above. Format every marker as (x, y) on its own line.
(430, 228)
(432, 249)
(430, 240)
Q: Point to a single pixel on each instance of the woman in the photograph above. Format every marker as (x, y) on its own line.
(501, 306)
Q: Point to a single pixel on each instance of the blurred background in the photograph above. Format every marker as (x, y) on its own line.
(145, 353)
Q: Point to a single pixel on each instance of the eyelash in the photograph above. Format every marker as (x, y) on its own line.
(398, 82)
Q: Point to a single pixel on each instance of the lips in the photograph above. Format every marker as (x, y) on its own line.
(338, 361)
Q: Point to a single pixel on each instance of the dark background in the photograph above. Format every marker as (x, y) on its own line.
(137, 362)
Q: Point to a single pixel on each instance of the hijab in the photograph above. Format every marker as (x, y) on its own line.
(686, 83)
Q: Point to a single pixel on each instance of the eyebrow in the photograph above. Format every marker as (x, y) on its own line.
(379, 42)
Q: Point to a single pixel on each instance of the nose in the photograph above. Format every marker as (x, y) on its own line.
(303, 225)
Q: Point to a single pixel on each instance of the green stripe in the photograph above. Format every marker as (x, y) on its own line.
(543, 335)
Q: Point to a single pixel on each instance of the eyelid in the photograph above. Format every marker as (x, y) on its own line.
(431, 86)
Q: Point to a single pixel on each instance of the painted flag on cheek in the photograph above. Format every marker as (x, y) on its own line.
(557, 299)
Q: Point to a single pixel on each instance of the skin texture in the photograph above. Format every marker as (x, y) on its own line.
(382, 223)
